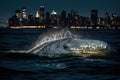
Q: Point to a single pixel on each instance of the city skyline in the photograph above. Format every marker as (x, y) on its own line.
(82, 7)
(73, 19)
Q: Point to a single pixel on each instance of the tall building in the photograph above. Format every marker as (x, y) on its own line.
(42, 9)
(115, 19)
(107, 19)
(63, 19)
(47, 22)
(54, 18)
(63, 14)
(17, 13)
(31, 20)
(107, 15)
(54, 15)
(73, 13)
(47, 15)
(37, 18)
(24, 16)
(94, 17)
(37, 15)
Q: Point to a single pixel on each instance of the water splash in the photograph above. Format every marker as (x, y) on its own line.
(52, 35)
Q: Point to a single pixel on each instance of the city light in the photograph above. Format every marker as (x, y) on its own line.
(70, 20)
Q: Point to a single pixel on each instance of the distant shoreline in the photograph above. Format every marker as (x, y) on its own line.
(55, 27)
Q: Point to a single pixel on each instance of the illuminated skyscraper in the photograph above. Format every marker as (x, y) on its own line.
(54, 18)
(42, 9)
(24, 16)
(37, 18)
(54, 15)
(37, 14)
(53, 12)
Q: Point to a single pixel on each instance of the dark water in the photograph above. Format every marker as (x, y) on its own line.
(22, 66)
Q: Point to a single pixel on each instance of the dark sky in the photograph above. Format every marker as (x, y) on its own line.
(83, 7)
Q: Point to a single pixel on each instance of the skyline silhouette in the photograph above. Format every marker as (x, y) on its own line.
(83, 7)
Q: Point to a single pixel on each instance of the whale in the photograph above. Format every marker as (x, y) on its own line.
(64, 43)
(72, 46)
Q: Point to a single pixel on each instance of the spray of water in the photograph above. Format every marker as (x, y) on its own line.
(51, 36)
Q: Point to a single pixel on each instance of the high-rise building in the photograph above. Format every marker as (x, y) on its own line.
(63, 19)
(73, 13)
(31, 20)
(42, 9)
(63, 14)
(47, 22)
(54, 18)
(115, 19)
(17, 13)
(107, 19)
(30, 16)
(54, 15)
(24, 16)
(37, 15)
(94, 16)
(107, 15)
(47, 15)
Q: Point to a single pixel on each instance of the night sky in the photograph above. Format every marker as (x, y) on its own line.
(83, 7)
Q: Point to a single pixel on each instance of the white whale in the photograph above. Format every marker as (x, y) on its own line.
(72, 46)
(63, 42)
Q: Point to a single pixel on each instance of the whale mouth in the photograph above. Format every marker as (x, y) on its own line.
(70, 44)
(86, 47)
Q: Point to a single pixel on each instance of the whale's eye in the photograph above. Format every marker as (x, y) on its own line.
(65, 47)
